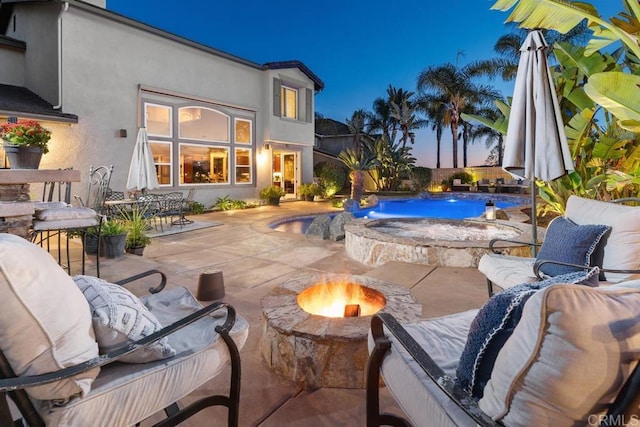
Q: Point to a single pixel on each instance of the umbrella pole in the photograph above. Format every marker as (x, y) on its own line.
(534, 221)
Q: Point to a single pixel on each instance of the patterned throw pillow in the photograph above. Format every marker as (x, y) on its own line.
(565, 241)
(118, 317)
(495, 323)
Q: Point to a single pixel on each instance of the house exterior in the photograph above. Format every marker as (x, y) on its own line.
(216, 122)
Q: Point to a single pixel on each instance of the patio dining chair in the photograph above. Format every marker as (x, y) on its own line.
(52, 218)
(83, 352)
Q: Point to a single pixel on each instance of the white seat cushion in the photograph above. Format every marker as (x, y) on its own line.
(45, 321)
(507, 271)
(57, 214)
(64, 224)
(124, 394)
(421, 400)
(623, 244)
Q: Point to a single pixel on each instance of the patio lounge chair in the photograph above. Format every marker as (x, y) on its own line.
(571, 359)
(60, 337)
(620, 258)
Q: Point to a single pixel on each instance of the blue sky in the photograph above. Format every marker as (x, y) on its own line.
(357, 47)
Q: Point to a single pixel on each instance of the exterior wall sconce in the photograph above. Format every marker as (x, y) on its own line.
(122, 133)
(490, 211)
(267, 146)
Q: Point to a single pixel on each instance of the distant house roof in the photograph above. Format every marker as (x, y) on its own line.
(330, 127)
(317, 83)
(20, 101)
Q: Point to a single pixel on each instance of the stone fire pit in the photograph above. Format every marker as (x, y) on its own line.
(321, 351)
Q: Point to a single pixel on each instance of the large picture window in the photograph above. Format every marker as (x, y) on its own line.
(212, 144)
(204, 164)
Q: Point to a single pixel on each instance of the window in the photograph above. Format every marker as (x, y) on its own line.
(243, 131)
(204, 164)
(162, 159)
(243, 166)
(158, 120)
(288, 102)
(203, 124)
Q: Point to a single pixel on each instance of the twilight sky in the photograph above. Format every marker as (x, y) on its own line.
(357, 47)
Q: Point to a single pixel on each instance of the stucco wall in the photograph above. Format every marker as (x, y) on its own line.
(11, 66)
(104, 63)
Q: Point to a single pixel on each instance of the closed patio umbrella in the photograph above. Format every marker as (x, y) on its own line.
(536, 145)
(142, 170)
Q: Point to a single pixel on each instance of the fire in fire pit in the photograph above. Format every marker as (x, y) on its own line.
(341, 299)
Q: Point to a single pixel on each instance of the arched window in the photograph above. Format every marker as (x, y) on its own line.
(203, 124)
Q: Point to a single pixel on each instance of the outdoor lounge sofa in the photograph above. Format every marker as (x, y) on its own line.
(620, 246)
(571, 359)
(83, 352)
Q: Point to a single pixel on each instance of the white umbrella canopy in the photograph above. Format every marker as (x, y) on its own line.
(536, 145)
(142, 170)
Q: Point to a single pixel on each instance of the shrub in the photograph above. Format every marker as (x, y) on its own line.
(464, 177)
(331, 178)
(421, 178)
(197, 208)
(271, 192)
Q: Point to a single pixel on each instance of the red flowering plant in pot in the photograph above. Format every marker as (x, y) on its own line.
(24, 143)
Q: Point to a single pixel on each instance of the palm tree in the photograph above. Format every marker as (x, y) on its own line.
(358, 162)
(404, 113)
(434, 109)
(357, 127)
(455, 86)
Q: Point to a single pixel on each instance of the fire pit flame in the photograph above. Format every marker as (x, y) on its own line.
(341, 299)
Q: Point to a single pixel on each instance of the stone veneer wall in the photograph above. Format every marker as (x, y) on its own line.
(15, 214)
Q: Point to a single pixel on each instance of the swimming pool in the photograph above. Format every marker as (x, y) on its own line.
(442, 207)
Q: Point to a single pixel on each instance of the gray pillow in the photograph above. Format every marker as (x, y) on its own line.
(566, 241)
(118, 317)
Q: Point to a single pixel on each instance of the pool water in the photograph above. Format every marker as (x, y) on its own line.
(443, 208)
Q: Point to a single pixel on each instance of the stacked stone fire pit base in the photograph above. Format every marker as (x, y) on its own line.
(320, 351)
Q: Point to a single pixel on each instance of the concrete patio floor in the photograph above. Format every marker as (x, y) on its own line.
(255, 259)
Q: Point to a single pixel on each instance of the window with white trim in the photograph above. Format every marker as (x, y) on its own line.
(204, 164)
(161, 151)
(204, 124)
(289, 102)
(242, 131)
(158, 120)
(244, 168)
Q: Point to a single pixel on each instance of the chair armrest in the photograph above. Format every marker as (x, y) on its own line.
(461, 398)
(492, 243)
(17, 383)
(540, 263)
(163, 280)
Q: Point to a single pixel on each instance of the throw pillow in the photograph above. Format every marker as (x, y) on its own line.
(495, 323)
(565, 241)
(44, 320)
(119, 317)
(568, 358)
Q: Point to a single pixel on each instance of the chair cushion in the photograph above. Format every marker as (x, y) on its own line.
(57, 214)
(64, 224)
(118, 317)
(419, 397)
(140, 390)
(495, 323)
(565, 241)
(45, 322)
(507, 271)
(568, 357)
(623, 243)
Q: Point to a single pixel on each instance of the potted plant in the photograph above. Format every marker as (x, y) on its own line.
(309, 191)
(113, 236)
(136, 223)
(272, 194)
(25, 141)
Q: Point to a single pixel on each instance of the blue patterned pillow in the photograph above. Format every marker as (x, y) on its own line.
(495, 323)
(566, 241)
